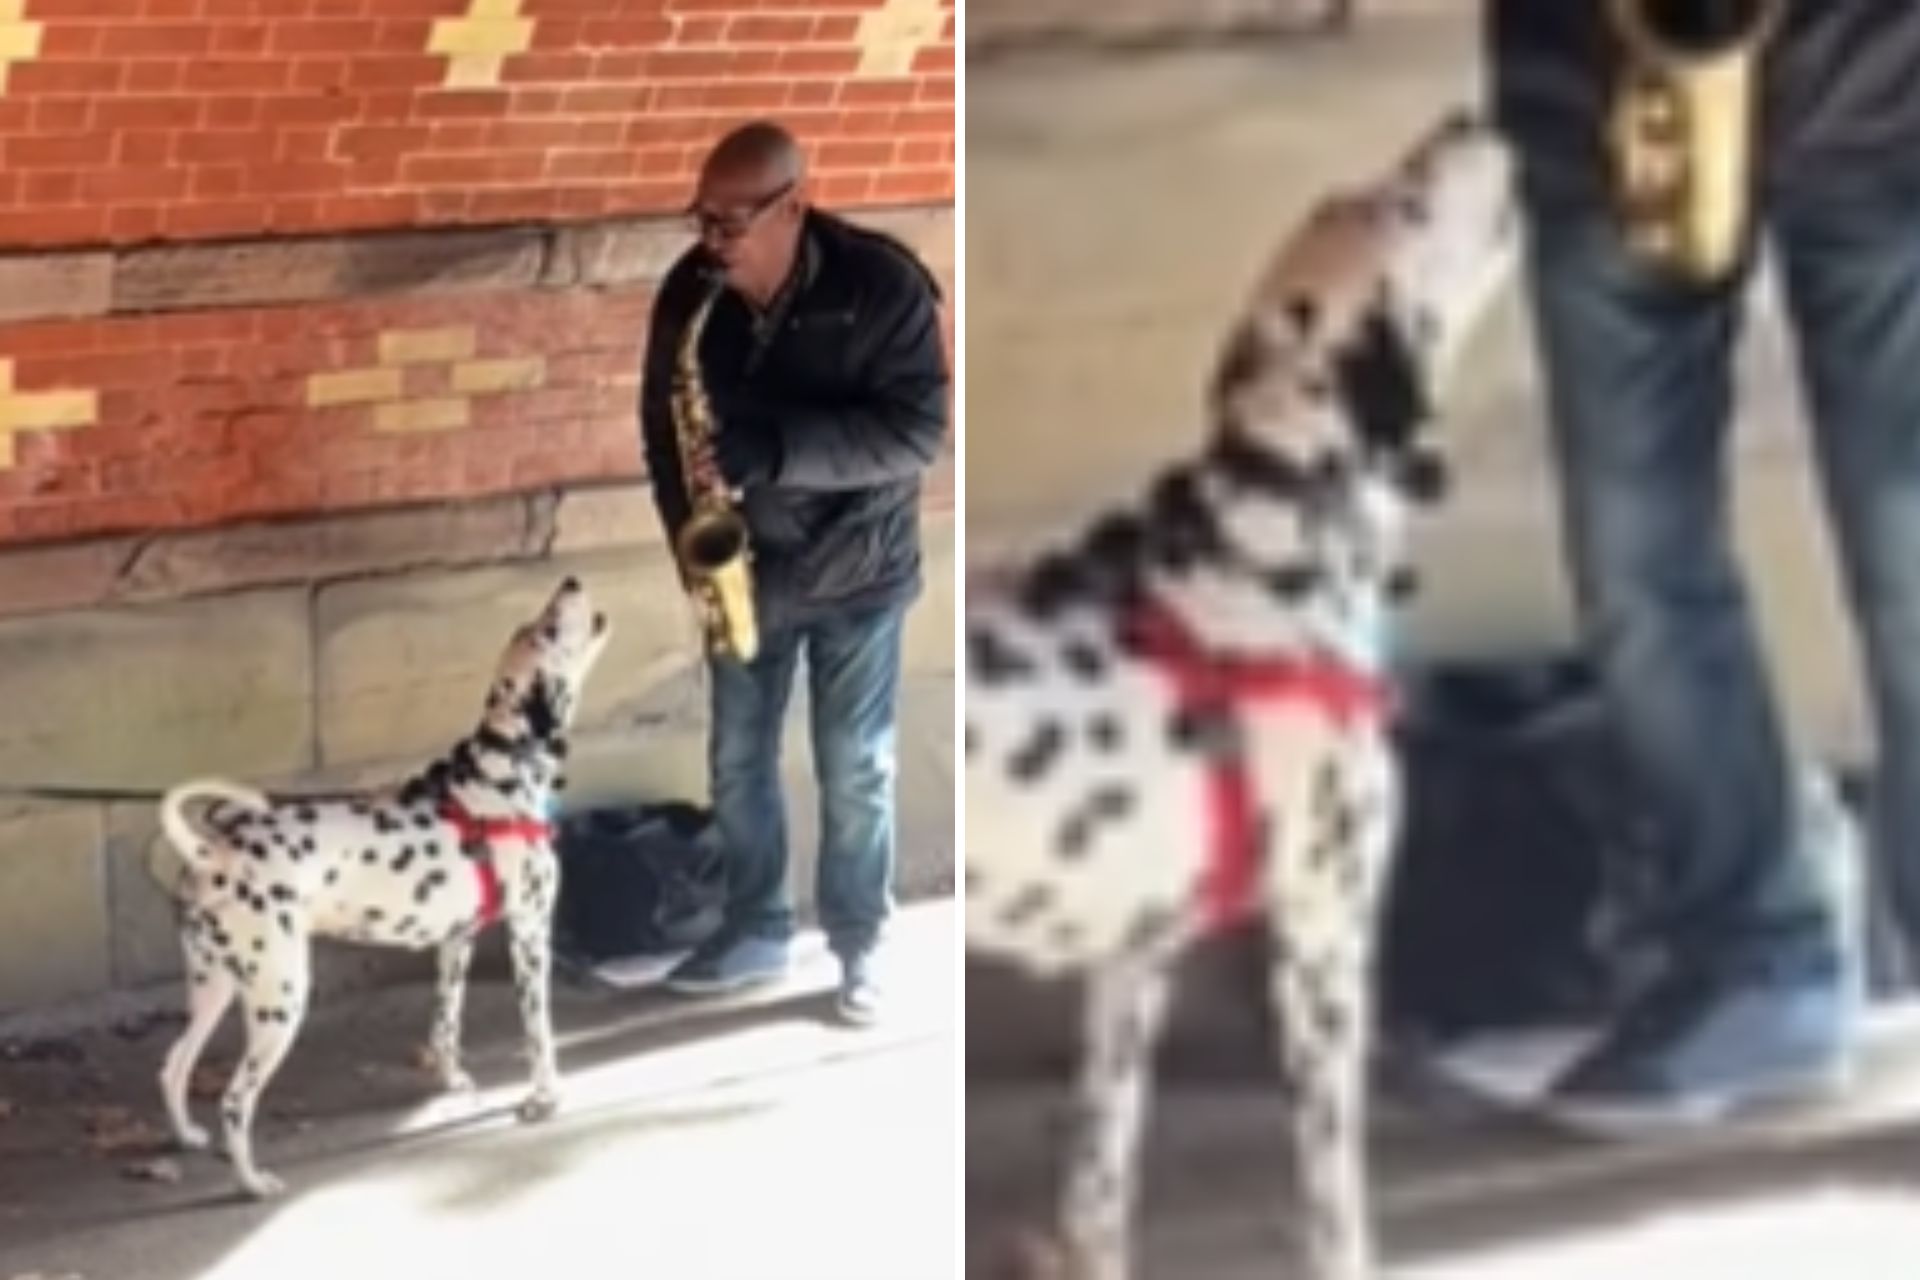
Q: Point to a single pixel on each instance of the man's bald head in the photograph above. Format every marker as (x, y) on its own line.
(750, 208)
(761, 152)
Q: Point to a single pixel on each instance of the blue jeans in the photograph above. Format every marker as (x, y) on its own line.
(1640, 395)
(853, 666)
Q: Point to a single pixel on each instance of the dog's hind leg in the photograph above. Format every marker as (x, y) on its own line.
(275, 1002)
(449, 993)
(210, 990)
(529, 919)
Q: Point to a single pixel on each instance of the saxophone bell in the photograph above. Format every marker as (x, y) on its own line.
(1681, 127)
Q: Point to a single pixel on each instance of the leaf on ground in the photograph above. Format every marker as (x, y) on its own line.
(161, 1170)
(6, 1109)
(117, 1131)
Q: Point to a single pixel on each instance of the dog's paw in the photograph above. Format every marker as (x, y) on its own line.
(263, 1186)
(1031, 1254)
(537, 1107)
(192, 1138)
(456, 1081)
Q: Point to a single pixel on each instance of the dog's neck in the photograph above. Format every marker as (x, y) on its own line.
(495, 773)
(1256, 550)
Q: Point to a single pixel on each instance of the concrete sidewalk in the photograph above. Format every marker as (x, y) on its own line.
(734, 1140)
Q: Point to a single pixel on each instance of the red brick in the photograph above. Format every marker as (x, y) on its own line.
(326, 35)
(234, 75)
(215, 218)
(240, 37)
(70, 40)
(934, 58)
(156, 39)
(878, 92)
(131, 224)
(626, 31)
(357, 142)
(820, 62)
(148, 184)
(56, 151)
(531, 68)
(47, 76)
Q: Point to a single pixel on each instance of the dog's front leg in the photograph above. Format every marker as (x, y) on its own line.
(1125, 1006)
(453, 957)
(530, 921)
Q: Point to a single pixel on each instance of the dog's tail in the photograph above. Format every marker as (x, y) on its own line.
(188, 841)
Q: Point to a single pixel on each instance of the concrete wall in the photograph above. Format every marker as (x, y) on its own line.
(361, 668)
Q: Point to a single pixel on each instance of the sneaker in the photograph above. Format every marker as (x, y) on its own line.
(723, 964)
(858, 1001)
(1693, 1053)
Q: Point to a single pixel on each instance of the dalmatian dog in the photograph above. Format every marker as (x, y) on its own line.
(428, 863)
(1175, 719)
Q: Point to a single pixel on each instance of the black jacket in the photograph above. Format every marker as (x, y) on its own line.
(850, 386)
(1839, 97)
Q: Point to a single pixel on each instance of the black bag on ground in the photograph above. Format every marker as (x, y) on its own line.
(1506, 905)
(638, 880)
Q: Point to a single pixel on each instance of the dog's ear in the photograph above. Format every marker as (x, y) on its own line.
(543, 717)
(1381, 385)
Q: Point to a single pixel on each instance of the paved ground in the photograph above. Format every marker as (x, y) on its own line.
(740, 1141)
(1119, 199)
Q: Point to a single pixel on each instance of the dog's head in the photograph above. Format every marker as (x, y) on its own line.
(1339, 362)
(537, 684)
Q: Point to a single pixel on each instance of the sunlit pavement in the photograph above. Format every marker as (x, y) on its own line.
(750, 1140)
(1468, 1191)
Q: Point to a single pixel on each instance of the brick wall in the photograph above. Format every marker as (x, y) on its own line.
(163, 177)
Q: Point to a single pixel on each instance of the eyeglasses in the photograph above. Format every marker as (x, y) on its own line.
(736, 223)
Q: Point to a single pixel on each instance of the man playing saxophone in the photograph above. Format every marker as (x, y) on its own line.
(1746, 126)
(821, 366)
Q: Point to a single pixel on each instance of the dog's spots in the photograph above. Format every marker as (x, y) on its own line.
(385, 823)
(219, 880)
(282, 893)
(372, 916)
(424, 821)
(1206, 731)
(1293, 581)
(1303, 312)
(369, 856)
(256, 850)
(1083, 660)
(285, 922)
(1245, 463)
(428, 883)
(1103, 731)
(992, 660)
(1028, 904)
(303, 813)
(1149, 931)
(402, 860)
(1032, 760)
(1109, 803)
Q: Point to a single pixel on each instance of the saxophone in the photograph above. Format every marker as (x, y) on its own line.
(712, 546)
(1681, 127)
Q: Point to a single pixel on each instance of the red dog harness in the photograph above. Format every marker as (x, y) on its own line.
(1209, 683)
(482, 832)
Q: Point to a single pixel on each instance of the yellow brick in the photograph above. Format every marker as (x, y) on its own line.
(425, 346)
(10, 10)
(473, 72)
(18, 40)
(481, 376)
(352, 386)
(891, 35)
(47, 410)
(493, 8)
(491, 36)
(440, 414)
